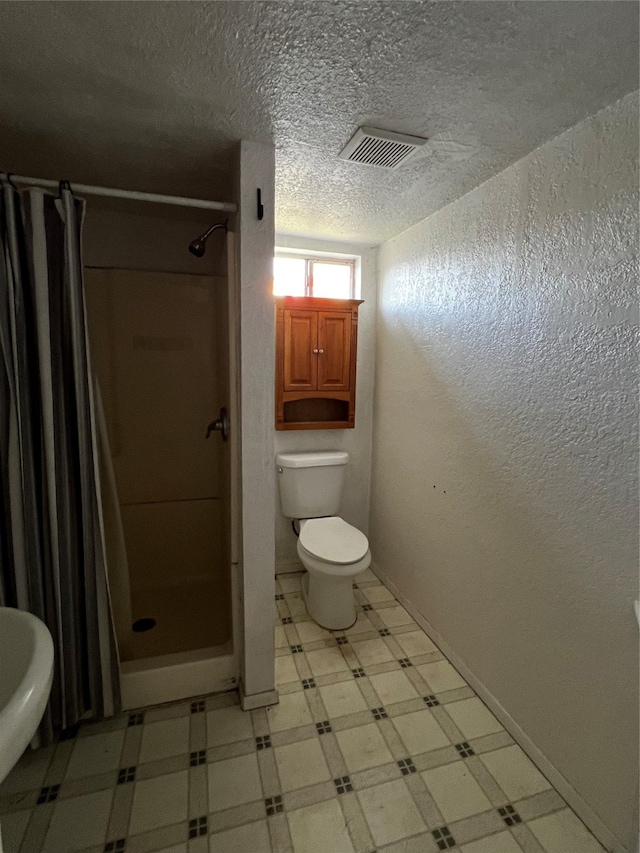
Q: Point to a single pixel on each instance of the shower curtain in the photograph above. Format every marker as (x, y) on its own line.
(52, 554)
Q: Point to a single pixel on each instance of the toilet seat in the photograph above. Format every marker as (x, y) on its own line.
(333, 553)
(333, 540)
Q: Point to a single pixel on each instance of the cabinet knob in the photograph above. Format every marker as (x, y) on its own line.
(316, 351)
(320, 350)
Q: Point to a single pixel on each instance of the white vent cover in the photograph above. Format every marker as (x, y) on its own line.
(383, 148)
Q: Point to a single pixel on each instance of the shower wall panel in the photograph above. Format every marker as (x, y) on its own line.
(153, 338)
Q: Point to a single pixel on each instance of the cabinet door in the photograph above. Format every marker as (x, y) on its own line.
(334, 350)
(300, 341)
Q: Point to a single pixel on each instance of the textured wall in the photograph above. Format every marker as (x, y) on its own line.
(357, 442)
(505, 502)
(256, 352)
(141, 236)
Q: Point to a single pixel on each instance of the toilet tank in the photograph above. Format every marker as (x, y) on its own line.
(311, 483)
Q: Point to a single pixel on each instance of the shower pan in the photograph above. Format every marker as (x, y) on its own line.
(161, 354)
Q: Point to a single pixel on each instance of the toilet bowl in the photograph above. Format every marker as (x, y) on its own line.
(333, 552)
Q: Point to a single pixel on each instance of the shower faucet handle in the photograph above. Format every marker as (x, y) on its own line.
(220, 425)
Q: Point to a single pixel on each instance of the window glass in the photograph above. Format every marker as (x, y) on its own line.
(289, 276)
(331, 281)
(304, 276)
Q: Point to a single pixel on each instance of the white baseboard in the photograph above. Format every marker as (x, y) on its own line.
(562, 786)
(257, 700)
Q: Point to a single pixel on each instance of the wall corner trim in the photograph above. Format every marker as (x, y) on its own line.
(256, 700)
(562, 786)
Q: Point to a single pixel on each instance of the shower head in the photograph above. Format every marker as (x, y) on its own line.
(198, 246)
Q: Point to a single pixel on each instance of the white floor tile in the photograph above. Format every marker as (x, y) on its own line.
(286, 671)
(228, 725)
(12, 829)
(78, 823)
(159, 802)
(393, 687)
(361, 626)
(394, 616)
(455, 791)
(372, 651)
(309, 632)
(233, 782)
(420, 732)
(342, 698)
(375, 594)
(291, 711)
(164, 739)
(320, 829)
(441, 676)
(562, 832)
(363, 747)
(296, 604)
(95, 754)
(517, 776)
(503, 842)
(251, 838)
(29, 772)
(366, 577)
(473, 718)
(326, 661)
(390, 812)
(301, 764)
(415, 643)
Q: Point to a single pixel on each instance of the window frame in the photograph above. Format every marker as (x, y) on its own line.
(310, 260)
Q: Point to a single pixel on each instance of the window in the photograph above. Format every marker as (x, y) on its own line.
(330, 278)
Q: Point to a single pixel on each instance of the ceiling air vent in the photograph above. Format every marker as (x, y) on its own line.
(383, 148)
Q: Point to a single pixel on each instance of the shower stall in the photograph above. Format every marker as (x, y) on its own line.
(184, 519)
(161, 351)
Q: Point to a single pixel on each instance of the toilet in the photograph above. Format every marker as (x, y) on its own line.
(332, 551)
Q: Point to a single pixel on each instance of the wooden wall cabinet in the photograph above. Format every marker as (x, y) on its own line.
(316, 348)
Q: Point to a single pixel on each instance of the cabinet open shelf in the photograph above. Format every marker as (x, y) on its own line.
(316, 349)
(316, 413)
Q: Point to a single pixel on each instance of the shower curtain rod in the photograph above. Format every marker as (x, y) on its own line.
(226, 206)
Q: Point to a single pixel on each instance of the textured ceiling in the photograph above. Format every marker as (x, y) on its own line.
(153, 96)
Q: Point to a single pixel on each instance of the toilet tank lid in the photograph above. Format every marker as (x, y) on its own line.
(313, 459)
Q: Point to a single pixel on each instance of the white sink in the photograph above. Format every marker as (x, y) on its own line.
(26, 670)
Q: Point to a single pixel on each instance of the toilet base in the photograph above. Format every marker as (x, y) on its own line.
(329, 600)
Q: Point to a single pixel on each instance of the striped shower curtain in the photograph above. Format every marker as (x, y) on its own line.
(52, 554)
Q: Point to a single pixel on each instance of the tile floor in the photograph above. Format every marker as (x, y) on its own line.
(377, 746)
